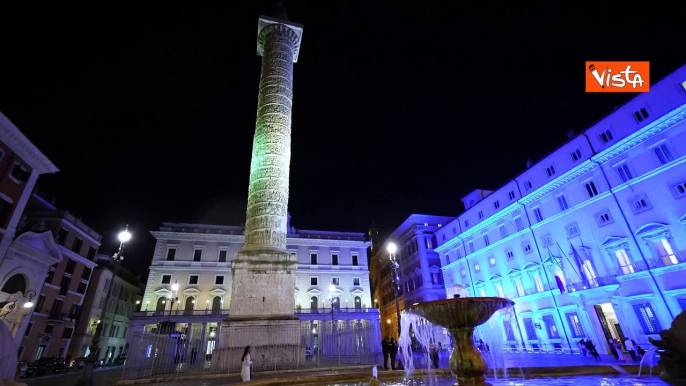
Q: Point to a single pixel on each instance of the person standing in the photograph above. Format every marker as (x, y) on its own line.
(245, 364)
(582, 347)
(385, 349)
(629, 346)
(613, 350)
(393, 351)
(433, 354)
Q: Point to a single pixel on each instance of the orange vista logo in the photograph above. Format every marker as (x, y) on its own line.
(617, 76)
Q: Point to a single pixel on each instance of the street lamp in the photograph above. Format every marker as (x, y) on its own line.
(391, 248)
(12, 304)
(86, 378)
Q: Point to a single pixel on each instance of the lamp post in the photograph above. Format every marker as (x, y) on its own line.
(332, 288)
(12, 304)
(391, 248)
(175, 289)
(86, 378)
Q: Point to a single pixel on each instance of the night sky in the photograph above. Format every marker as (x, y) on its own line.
(148, 108)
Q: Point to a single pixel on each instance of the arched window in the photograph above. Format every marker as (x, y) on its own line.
(161, 303)
(217, 303)
(190, 304)
(314, 304)
(358, 302)
(644, 113)
(447, 259)
(638, 116)
(16, 283)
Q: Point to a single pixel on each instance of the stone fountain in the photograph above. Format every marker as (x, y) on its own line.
(460, 316)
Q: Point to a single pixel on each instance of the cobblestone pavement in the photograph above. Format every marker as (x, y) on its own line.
(110, 376)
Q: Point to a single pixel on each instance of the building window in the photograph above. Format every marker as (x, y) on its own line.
(5, 211)
(19, 173)
(314, 281)
(530, 329)
(640, 115)
(519, 287)
(482, 292)
(640, 203)
(590, 189)
(429, 242)
(647, 318)
(64, 285)
(91, 253)
(624, 172)
(171, 254)
(444, 235)
(550, 327)
(510, 254)
(624, 262)
(28, 329)
(81, 288)
(547, 240)
(71, 264)
(454, 231)
(335, 281)
(464, 273)
(193, 279)
(606, 136)
(466, 224)
(485, 238)
(222, 256)
(562, 202)
(665, 252)
(471, 246)
(39, 303)
(166, 279)
(511, 195)
(78, 244)
(61, 236)
(197, 254)
(503, 231)
(499, 290)
(355, 260)
(518, 223)
(491, 261)
(219, 280)
(682, 304)
(572, 230)
(663, 154)
(575, 325)
(528, 185)
(356, 281)
(526, 247)
(447, 259)
(49, 328)
(537, 214)
(509, 332)
(313, 258)
(477, 268)
(603, 218)
(679, 190)
(576, 155)
(66, 334)
(537, 282)
(334, 259)
(550, 170)
(481, 214)
(496, 204)
(435, 278)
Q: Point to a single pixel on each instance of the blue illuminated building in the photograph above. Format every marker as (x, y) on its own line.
(590, 242)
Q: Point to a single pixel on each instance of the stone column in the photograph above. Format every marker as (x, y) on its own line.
(263, 271)
(266, 221)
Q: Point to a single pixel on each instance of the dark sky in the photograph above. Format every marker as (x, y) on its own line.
(148, 108)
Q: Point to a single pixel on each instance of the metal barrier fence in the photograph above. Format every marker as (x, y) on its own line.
(180, 350)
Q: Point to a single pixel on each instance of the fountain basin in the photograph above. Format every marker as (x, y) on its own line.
(460, 312)
(460, 316)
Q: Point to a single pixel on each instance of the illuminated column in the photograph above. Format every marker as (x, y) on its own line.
(266, 221)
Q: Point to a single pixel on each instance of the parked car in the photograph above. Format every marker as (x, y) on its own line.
(45, 366)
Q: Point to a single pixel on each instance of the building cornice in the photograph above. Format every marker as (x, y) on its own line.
(21, 146)
(239, 239)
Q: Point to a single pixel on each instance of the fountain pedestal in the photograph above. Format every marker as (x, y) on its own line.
(460, 316)
(466, 361)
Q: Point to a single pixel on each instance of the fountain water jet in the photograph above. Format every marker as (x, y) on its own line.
(460, 316)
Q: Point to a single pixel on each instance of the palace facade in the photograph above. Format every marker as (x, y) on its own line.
(590, 242)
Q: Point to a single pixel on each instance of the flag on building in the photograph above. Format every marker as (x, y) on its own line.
(558, 279)
(582, 273)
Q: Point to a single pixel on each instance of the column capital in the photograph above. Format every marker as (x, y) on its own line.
(290, 29)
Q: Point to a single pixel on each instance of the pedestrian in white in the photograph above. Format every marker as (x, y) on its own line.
(245, 363)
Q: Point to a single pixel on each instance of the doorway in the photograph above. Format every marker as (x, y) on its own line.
(609, 322)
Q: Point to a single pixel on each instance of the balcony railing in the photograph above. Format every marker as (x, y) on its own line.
(57, 317)
(592, 283)
(659, 262)
(148, 314)
(335, 310)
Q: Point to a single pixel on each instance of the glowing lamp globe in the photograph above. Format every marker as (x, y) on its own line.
(391, 248)
(124, 236)
(28, 304)
(332, 287)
